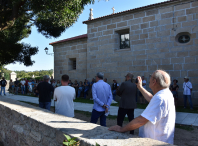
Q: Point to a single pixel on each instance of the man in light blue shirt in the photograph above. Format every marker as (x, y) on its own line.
(102, 97)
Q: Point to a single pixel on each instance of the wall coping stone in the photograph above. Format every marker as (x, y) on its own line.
(87, 133)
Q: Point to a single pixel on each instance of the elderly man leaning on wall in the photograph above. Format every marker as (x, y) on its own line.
(158, 119)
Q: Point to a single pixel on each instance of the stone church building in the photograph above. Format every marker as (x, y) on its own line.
(160, 36)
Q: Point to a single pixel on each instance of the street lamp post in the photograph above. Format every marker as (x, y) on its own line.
(52, 54)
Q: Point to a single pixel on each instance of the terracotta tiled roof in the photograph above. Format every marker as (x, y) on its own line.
(131, 10)
(70, 39)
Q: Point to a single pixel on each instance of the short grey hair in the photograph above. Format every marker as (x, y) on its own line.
(161, 79)
(100, 75)
(46, 77)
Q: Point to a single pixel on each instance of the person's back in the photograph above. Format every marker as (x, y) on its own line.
(103, 96)
(45, 89)
(128, 92)
(65, 96)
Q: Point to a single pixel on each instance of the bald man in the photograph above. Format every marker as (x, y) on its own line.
(158, 119)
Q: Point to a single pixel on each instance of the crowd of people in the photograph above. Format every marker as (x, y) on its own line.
(157, 119)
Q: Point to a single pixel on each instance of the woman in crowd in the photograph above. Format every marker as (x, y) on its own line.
(75, 85)
(80, 88)
(58, 83)
(11, 86)
(30, 87)
(54, 83)
(174, 89)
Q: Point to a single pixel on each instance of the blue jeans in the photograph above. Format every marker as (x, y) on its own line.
(95, 115)
(45, 105)
(79, 91)
(22, 89)
(3, 89)
(114, 94)
(85, 92)
(189, 100)
(16, 90)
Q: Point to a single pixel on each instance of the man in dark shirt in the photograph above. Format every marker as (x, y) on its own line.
(44, 89)
(16, 84)
(3, 84)
(127, 92)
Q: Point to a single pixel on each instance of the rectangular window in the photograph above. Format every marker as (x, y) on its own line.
(124, 41)
(72, 64)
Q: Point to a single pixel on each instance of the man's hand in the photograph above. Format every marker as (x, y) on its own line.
(139, 84)
(115, 128)
(105, 106)
(106, 110)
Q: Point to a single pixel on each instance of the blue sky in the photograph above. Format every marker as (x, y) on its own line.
(102, 8)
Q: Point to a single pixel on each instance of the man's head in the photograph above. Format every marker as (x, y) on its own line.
(22, 79)
(159, 80)
(16, 79)
(69, 81)
(3, 78)
(114, 81)
(186, 79)
(99, 76)
(129, 76)
(65, 79)
(105, 79)
(142, 78)
(46, 78)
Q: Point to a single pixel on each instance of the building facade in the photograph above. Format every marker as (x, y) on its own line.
(160, 36)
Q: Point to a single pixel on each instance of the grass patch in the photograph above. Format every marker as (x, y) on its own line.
(184, 127)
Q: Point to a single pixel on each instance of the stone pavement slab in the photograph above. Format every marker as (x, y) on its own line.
(181, 118)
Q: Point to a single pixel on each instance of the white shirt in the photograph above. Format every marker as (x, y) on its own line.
(23, 82)
(161, 115)
(64, 104)
(186, 87)
(144, 82)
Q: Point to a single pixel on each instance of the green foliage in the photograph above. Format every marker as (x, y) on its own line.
(70, 141)
(51, 17)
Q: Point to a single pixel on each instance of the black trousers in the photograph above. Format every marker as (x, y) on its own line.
(121, 115)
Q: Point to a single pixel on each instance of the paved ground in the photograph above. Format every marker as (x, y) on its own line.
(181, 118)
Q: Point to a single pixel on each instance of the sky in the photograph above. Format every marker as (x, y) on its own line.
(101, 8)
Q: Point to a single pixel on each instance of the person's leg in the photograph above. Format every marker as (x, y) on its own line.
(130, 114)
(4, 90)
(185, 97)
(114, 94)
(47, 105)
(41, 105)
(85, 93)
(94, 116)
(103, 119)
(22, 89)
(79, 91)
(121, 115)
(190, 101)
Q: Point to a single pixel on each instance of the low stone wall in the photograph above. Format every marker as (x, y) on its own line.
(25, 125)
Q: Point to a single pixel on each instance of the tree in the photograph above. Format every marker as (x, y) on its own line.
(51, 17)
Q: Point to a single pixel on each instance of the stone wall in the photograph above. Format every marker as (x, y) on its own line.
(64, 52)
(26, 125)
(153, 43)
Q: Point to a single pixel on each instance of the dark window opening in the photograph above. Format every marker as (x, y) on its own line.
(184, 39)
(124, 41)
(74, 64)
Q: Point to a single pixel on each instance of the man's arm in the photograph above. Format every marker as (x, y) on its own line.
(147, 95)
(110, 97)
(134, 124)
(120, 90)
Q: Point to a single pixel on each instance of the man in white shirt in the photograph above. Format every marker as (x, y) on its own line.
(187, 86)
(158, 119)
(23, 86)
(64, 95)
